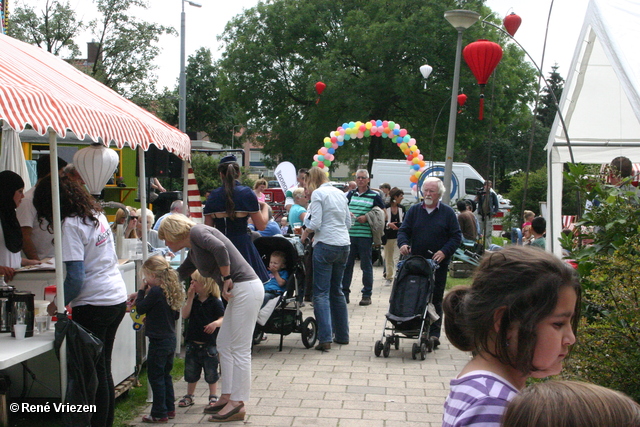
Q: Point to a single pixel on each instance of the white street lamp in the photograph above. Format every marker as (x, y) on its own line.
(461, 20)
(182, 106)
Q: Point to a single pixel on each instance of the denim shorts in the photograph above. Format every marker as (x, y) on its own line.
(199, 357)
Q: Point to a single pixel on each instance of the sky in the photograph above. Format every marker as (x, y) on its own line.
(204, 24)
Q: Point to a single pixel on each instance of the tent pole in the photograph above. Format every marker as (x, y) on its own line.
(143, 203)
(57, 240)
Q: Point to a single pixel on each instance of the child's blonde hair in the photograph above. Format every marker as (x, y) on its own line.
(208, 284)
(571, 404)
(168, 278)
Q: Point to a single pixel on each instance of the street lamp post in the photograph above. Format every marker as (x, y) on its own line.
(182, 106)
(461, 20)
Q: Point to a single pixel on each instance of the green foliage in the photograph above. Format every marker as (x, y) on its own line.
(610, 223)
(536, 191)
(205, 168)
(368, 54)
(127, 47)
(206, 111)
(52, 28)
(608, 349)
(547, 108)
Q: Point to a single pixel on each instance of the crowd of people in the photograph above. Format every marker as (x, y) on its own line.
(518, 318)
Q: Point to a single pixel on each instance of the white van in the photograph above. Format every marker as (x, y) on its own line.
(465, 180)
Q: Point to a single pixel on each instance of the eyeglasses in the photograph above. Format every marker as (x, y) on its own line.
(133, 217)
(361, 177)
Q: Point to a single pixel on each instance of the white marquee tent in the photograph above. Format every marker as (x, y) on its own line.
(600, 102)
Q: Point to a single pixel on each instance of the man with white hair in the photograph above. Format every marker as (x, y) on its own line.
(176, 207)
(431, 229)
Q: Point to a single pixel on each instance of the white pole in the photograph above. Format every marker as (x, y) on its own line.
(57, 243)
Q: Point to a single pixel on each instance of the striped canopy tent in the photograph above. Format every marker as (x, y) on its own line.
(52, 96)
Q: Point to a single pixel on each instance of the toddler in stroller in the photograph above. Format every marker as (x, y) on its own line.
(282, 314)
(410, 309)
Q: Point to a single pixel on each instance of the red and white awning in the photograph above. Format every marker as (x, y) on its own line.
(42, 90)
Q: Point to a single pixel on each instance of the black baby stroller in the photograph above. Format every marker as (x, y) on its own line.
(282, 315)
(410, 310)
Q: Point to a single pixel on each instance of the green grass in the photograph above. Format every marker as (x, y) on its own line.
(451, 282)
(131, 403)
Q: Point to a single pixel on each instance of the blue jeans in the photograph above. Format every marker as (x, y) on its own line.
(159, 365)
(362, 247)
(329, 304)
(103, 322)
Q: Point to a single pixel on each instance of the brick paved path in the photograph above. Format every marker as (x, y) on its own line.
(347, 386)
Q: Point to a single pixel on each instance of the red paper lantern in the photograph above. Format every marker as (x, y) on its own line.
(482, 57)
(511, 23)
(462, 98)
(320, 87)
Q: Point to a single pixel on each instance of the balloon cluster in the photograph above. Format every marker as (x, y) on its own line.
(382, 128)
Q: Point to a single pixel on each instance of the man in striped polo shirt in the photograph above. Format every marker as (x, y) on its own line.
(361, 201)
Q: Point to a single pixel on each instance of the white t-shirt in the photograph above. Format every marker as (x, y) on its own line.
(8, 258)
(103, 284)
(40, 236)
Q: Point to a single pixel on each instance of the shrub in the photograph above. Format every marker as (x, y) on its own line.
(608, 349)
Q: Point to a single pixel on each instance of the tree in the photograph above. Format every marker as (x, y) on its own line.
(126, 46)
(53, 28)
(547, 109)
(205, 109)
(369, 55)
(126, 49)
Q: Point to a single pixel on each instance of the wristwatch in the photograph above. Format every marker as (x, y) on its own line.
(225, 278)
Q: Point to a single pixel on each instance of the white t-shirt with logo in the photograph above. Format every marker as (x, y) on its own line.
(103, 284)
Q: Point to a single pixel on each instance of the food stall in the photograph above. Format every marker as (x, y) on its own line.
(53, 97)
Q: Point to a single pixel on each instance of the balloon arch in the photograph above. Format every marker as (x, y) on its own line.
(383, 128)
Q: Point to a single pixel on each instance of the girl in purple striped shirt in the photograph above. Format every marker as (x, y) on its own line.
(518, 319)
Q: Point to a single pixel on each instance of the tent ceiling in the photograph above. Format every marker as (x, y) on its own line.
(42, 90)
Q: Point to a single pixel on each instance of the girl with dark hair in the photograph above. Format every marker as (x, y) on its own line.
(93, 285)
(11, 194)
(228, 209)
(518, 319)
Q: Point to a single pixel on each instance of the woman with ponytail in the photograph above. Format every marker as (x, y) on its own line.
(228, 209)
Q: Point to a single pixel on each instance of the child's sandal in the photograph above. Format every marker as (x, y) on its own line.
(212, 399)
(186, 401)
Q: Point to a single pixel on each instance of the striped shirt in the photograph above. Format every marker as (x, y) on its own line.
(477, 399)
(361, 204)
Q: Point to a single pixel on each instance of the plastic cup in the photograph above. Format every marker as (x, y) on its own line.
(20, 330)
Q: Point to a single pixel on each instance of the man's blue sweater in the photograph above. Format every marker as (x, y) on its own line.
(435, 231)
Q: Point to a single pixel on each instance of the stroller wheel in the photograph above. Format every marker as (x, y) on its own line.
(309, 331)
(423, 351)
(387, 347)
(396, 342)
(415, 349)
(377, 348)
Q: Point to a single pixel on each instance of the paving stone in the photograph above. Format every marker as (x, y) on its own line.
(347, 386)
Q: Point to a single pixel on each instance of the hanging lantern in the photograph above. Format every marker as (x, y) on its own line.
(462, 98)
(320, 87)
(426, 72)
(511, 23)
(96, 164)
(482, 57)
